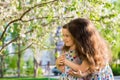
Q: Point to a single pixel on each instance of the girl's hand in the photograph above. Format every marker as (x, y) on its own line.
(78, 73)
(61, 60)
(60, 63)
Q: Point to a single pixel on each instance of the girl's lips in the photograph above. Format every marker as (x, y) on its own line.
(66, 42)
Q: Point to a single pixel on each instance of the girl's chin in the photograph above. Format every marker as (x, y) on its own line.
(67, 45)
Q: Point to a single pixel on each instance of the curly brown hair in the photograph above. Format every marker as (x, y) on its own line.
(89, 44)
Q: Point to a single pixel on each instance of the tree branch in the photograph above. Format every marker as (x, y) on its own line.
(8, 43)
(7, 27)
(20, 18)
(22, 49)
(26, 47)
(13, 41)
(55, 17)
(37, 5)
(33, 19)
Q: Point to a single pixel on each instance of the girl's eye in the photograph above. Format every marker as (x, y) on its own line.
(67, 35)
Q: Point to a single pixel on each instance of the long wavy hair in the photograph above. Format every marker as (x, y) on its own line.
(89, 44)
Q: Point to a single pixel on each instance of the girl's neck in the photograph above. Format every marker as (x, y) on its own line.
(72, 48)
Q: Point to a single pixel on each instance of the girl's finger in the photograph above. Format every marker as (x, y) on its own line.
(71, 72)
(78, 73)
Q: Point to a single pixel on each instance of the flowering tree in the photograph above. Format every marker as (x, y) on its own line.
(26, 22)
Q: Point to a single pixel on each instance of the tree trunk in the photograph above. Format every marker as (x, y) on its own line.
(18, 62)
(35, 68)
(1, 66)
(18, 65)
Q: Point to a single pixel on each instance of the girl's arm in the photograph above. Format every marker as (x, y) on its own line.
(77, 70)
(79, 73)
(76, 67)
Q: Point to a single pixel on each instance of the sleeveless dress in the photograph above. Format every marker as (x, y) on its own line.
(104, 74)
(71, 56)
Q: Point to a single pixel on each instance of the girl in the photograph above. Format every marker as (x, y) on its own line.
(85, 53)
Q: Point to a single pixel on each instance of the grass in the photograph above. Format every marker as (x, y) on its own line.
(27, 79)
(116, 69)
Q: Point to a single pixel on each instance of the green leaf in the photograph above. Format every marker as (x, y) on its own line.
(0, 43)
(19, 7)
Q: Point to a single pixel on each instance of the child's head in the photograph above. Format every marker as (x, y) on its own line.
(67, 38)
(88, 43)
(77, 32)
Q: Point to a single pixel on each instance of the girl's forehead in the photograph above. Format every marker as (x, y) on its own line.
(65, 31)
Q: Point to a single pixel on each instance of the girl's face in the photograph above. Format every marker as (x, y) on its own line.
(68, 41)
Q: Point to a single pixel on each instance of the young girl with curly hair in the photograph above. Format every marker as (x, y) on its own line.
(85, 54)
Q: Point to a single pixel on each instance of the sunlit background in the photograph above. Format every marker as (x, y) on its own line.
(30, 32)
